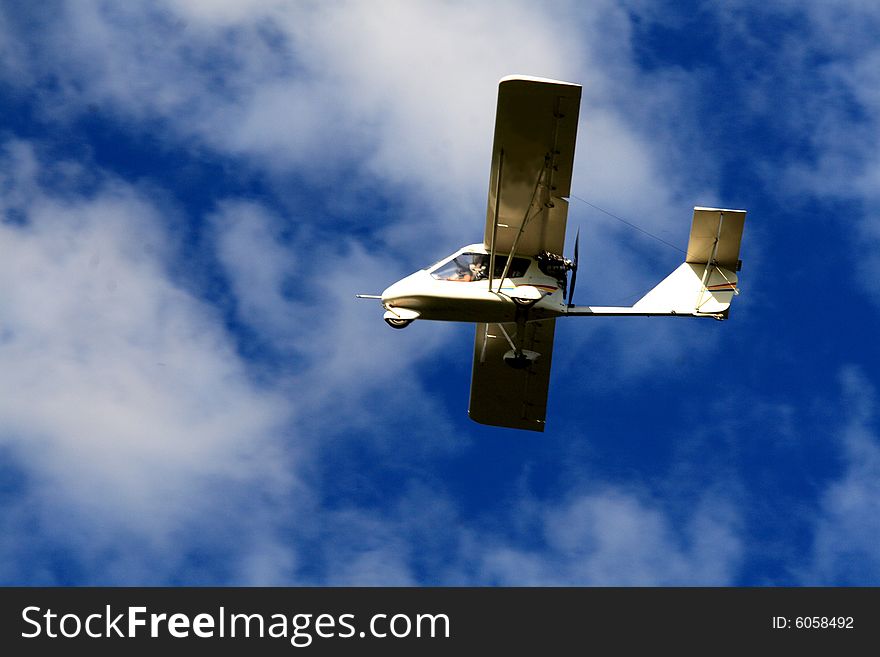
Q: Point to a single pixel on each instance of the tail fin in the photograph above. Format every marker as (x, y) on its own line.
(705, 283)
(685, 292)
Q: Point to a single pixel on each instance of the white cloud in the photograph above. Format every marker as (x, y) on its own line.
(847, 527)
(614, 538)
(601, 536)
(119, 393)
(368, 550)
(298, 294)
(259, 268)
(141, 430)
(406, 94)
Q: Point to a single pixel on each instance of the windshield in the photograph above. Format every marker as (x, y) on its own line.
(475, 267)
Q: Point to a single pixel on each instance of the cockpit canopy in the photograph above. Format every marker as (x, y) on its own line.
(467, 267)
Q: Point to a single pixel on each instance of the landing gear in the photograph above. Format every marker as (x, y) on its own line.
(397, 323)
(399, 318)
(524, 303)
(520, 359)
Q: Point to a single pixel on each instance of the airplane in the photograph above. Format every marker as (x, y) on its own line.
(515, 284)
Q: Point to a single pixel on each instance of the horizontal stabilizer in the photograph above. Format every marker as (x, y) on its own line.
(711, 225)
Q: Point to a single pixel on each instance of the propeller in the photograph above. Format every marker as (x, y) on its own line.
(574, 269)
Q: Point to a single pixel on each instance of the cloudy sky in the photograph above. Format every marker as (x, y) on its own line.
(192, 192)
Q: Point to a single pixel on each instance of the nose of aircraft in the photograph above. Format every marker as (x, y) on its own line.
(403, 288)
(391, 293)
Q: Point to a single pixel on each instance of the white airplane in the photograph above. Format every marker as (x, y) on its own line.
(515, 284)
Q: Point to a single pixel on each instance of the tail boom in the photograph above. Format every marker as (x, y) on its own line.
(702, 286)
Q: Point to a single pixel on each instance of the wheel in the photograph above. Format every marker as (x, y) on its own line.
(524, 303)
(398, 323)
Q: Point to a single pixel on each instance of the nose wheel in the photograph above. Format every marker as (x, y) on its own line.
(397, 323)
(399, 317)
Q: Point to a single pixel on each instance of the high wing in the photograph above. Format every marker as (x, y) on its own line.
(507, 397)
(532, 158)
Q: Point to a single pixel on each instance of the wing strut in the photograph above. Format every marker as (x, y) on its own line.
(495, 225)
(509, 340)
(525, 221)
(486, 340)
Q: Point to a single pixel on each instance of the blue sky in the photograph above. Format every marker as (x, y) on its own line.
(193, 192)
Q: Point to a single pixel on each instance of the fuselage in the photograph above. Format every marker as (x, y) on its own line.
(457, 289)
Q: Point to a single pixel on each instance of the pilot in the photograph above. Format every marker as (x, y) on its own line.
(472, 271)
(478, 271)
